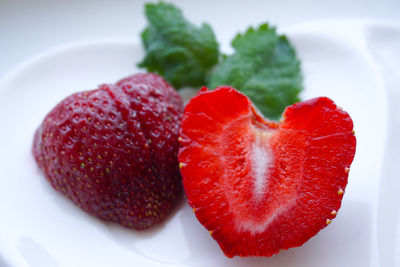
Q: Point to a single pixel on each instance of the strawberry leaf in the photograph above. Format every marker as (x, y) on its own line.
(264, 67)
(175, 48)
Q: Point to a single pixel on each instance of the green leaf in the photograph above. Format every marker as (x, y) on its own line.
(265, 68)
(175, 48)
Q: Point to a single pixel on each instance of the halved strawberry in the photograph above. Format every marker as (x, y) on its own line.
(259, 186)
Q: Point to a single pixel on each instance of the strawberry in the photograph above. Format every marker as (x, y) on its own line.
(260, 186)
(113, 150)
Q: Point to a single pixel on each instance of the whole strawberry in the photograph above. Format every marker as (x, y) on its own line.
(113, 150)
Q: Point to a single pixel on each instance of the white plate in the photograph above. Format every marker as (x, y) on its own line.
(356, 64)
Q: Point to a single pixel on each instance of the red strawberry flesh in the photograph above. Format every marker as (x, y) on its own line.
(113, 150)
(259, 186)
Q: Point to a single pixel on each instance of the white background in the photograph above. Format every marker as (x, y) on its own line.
(28, 27)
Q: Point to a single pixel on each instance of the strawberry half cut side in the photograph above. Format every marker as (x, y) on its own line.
(260, 186)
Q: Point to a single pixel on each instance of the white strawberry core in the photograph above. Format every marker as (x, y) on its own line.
(262, 161)
(269, 192)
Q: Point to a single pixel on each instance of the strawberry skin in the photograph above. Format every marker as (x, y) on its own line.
(113, 150)
(260, 186)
